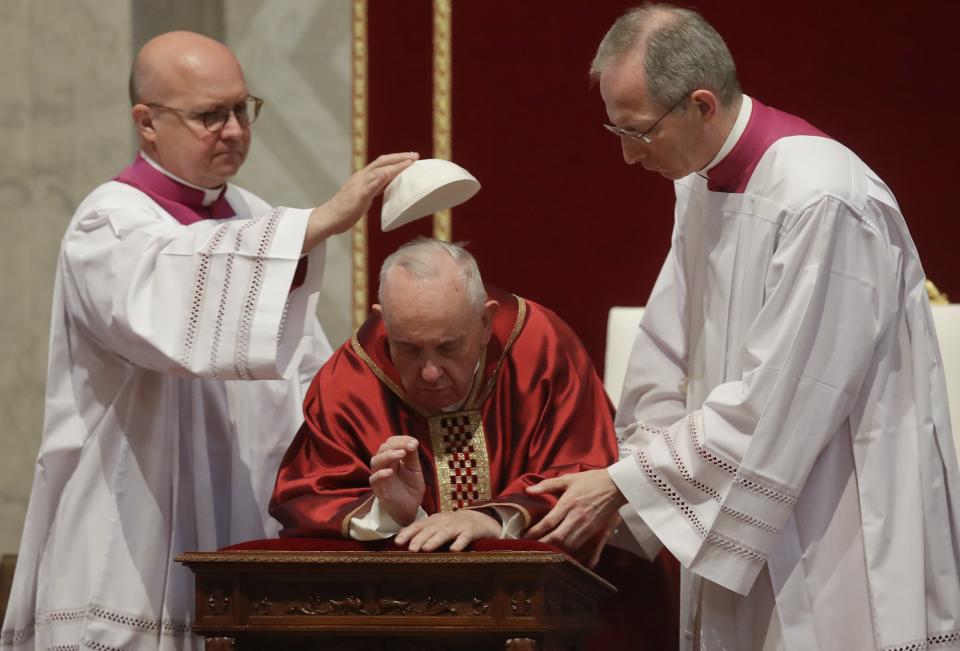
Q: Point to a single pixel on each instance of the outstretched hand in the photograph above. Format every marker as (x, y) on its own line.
(397, 479)
(350, 203)
(586, 512)
(462, 527)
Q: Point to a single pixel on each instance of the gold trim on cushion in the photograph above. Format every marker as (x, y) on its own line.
(359, 129)
(442, 39)
(460, 453)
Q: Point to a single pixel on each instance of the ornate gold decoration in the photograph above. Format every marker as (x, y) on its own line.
(460, 453)
(393, 386)
(935, 295)
(442, 10)
(262, 606)
(517, 326)
(393, 558)
(317, 605)
(359, 129)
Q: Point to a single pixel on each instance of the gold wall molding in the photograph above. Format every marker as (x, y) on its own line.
(935, 295)
(442, 10)
(359, 129)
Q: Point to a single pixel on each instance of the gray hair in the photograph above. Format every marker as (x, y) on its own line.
(419, 259)
(683, 53)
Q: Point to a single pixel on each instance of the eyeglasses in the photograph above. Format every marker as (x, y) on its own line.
(644, 136)
(215, 119)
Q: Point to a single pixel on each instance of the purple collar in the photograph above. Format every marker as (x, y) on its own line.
(765, 126)
(181, 201)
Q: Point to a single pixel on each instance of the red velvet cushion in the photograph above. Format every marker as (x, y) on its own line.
(342, 545)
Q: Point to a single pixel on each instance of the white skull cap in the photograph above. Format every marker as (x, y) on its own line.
(426, 187)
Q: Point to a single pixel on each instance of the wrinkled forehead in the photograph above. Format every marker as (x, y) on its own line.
(430, 308)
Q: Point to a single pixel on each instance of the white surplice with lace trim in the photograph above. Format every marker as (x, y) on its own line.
(783, 424)
(155, 440)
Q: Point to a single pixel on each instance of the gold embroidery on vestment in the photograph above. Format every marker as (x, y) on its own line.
(517, 326)
(460, 452)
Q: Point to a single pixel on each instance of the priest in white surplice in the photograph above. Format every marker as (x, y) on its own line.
(783, 426)
(183, 337)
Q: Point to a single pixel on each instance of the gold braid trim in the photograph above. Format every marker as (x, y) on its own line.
(442, 39)
(393, 386)
(460, 454)
(491, 383)
(359, 128)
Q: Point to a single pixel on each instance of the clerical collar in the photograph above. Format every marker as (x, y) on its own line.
(183, 202)
(209, 195)
(755, 131)
(739, 126)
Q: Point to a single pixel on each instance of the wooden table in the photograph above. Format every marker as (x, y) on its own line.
(520, 600)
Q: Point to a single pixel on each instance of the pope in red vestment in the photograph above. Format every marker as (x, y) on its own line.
(534, 408)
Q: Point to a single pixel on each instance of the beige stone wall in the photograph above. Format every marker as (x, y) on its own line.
(64, 68)
(296, 55)
(64, 128)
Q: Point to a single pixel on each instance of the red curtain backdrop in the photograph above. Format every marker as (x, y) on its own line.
(561, 219)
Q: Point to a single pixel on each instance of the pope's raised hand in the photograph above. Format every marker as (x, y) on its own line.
(353, 200)
(396, 478)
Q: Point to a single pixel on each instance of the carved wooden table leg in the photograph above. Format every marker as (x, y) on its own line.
(219, 643)
(521, 644)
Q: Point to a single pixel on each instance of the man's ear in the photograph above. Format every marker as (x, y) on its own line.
(377, 309)
(143, 120)
(706, 103)
(486, 319)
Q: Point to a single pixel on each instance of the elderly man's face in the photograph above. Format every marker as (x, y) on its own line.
(183, 144)
(674, 150)
(435, 338)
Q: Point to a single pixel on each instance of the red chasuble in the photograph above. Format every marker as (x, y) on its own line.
(537, 410)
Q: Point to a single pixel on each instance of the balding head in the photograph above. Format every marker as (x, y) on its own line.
(177, 78)
(165, 60)
(677, 49)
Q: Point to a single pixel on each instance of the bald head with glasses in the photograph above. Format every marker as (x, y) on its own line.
(192, 107)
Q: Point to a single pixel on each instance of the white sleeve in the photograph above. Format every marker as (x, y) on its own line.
(211, 299)
(655, 381)
(717, 486)
(512, 521)
(377, 523)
